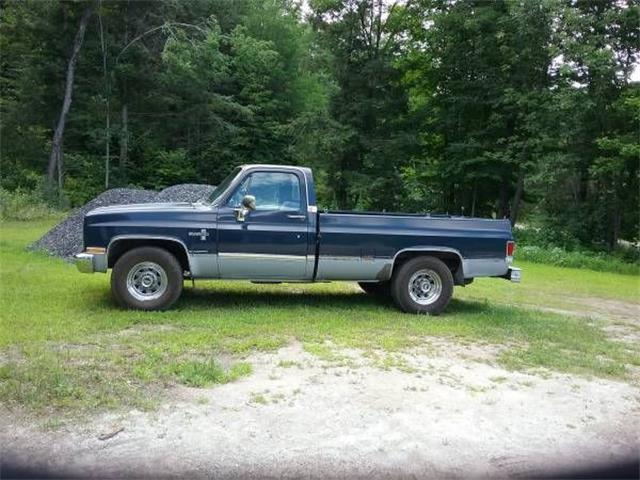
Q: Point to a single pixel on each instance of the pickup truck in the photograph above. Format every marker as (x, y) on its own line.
(262, 224)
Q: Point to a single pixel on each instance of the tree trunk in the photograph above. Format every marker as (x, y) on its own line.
(517, 199)
(474, 198)
(615, 221)
(55, 158)
(124, 115)
(107, 152)
(107, 94)
(124, 139)
(503, 198)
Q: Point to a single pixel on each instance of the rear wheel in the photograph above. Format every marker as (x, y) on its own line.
(147, 278)
(377, 289)
(422, 285)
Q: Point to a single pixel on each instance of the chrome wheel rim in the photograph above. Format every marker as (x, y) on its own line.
(425, 287)
(147, 281)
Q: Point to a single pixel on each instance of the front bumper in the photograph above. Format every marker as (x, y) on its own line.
(91, 262)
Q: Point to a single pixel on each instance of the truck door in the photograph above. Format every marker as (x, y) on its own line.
(271, 242)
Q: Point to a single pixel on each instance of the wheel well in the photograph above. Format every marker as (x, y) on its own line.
(450, 259)
(120, 247)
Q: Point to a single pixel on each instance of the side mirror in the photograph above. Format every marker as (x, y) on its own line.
(248, 204)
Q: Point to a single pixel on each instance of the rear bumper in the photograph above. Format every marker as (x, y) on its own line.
(91, 262)
(514, 274)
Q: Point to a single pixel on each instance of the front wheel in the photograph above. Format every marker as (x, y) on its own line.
(422, 285)
(147, 278)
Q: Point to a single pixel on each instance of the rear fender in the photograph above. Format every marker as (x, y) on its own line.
(450, 256)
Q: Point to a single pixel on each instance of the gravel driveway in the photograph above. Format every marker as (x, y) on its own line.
(446, 411)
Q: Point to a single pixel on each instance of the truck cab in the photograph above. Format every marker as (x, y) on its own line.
(266, 225)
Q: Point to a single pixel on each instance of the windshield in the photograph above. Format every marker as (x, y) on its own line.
(223, 185)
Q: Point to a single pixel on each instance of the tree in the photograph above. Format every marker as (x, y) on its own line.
(478, 78)
(373, 134)
(56, 156)
(589, 187)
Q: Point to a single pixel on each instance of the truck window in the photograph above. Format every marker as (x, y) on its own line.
(273, 191)
(222, 187)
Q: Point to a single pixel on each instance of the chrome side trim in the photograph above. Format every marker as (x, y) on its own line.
(262, 256)
(428, 250)
(204, 265)
(259, 266)
(118, 238)
(352, 268)
(485, 267)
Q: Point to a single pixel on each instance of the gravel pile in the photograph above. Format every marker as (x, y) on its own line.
(185, 192)
(65, 239)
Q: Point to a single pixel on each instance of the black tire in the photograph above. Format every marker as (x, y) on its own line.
(376, 289)
(147, 264)
(438, 281)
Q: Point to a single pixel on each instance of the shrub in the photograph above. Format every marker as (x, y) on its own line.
(599, 261)
(557, 247)
(23, 205)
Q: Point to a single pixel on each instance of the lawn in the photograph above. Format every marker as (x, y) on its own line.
(65, 346)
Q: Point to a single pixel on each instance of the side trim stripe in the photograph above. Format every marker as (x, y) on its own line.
(265, 256)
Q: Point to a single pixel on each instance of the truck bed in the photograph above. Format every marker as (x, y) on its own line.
(355, 245)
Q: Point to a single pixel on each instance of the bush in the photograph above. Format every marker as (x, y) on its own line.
(557, 247)
(599, 261)
(23, 205)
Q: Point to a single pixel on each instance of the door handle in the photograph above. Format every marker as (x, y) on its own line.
(299, 217)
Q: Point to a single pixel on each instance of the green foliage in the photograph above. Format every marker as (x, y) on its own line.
(82, 184)
(23, 205)
(557, 256)
(169, 168)
(559, 247)
(189, 91)
(518, 112)
(503, 108)
(372, 132)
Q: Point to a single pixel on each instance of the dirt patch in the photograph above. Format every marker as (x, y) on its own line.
(622, 318)
(298, 415)
(611, 308)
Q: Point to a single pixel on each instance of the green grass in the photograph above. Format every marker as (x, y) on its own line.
(65, 346)
(555, 287)
(202, 374)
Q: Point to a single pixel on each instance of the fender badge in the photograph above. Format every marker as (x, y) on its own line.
(203, 234)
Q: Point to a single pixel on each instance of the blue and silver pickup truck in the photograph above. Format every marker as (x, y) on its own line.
(262, 224)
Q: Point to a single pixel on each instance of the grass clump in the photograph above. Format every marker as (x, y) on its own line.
(209, 372)
(289, 364)
(46, 381)
(258, 398)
